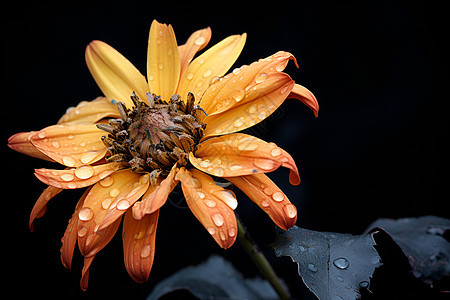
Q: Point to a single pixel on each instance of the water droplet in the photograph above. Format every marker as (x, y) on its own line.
(232, 232)
(160, 66)
(55, 144)
(107, 181)
(139, 235)
(145, 251)
(205, 163)
(114, 192)
(82, 231)
(238, 95)
(265, 203)
(68, 161)
(339, 278)
(84, 172)
(290, 210)
(247, 144)
(284, 89)
(217, 219)
(341, 263)
(264, 164)
(88, 156)
(72, 185)
(278, 196)
(262, 115)
(211, 230)
(67, 177)
(210, 203)
(235, 167)
(228, 198)
(42, 134)
(200, 41)
(106, 203)
(201, 60)
(218, 172)
(222, 235)
(239, 122)
(253, 108)
(261, 77)
(312, 268)
(207, 73)
(364, 284)
(123, 204)
(70, 137)
(275, 152)
(85, 214)
(201, 195)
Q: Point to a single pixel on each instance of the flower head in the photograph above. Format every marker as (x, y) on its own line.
(131, 148)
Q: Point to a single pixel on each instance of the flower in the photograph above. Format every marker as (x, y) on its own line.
(131, 148)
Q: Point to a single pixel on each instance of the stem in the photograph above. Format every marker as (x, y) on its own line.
(260, 261)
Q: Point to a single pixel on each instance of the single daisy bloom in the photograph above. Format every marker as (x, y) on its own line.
(131, 148)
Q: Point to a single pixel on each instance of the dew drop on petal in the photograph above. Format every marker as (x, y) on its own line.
(123, 204)
(145, 251)
(55, 144)
(72, 185)
(106, 203)
(265, 203)
(107, 181)
(85, 214)
(228, 198)
(201, 195)
(253, 108)
(238, 95)
(264, 164)
(88, 157)
(232, 232)
(290, 210)
(160, 66)
(205, 163)
(278, 196)
(68, 161)
(312, 267)
(84, 172)
(190, 75)
(200, 41)
(67, 177)
(210, 203)
(217, 219)
(207, 73)
(218, 172)
(42, 134)
(114, 192)
(275, 152)
(82, 231)
(211, 230)
(261, 77)
(341, 263)
(235, 167)
(222, 235)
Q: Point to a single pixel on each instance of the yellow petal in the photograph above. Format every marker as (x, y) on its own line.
(303, 94)
(210, 204)
(257, 102)
(90, 112)
(196, 42)
(139, 244)
(163, 60)
(115, 75)
(266, 194)
(71, 145)
(215, 61)
(240, 154)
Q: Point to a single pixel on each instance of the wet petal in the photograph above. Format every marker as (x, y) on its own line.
(156, 195)
(303, 94)
(114, 74)
(70, 235)
(40, 206)
(99, 218)
(139, 244)
(258, 101)
(71, 145)
(227, 91)
(20, 142)
(90, 112)
(215, 61)
(266, 194)
(240, 154)
(210, 204)
(76, 178)
(196, 42)
(163, 60)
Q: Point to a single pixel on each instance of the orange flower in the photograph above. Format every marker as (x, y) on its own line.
(180, 126)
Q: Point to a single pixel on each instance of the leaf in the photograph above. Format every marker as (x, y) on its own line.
(423, 242)
(214, 279)
(332, 265)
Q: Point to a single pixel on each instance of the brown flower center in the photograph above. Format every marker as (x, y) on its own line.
(153, 137)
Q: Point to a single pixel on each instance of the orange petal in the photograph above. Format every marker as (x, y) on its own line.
(139, 244)
(114, 74)
(85, 272)
(76, 178)
(303, 94)
(155, 196)
(163, 60)
(258, 101)
(71, 145)
(240, 154)
(70, 235)
(40, 206)
(20, 142)
(229, 90)
(90, 112)
(266, 194)
(215, 61)
(196, 42)
(210, 204)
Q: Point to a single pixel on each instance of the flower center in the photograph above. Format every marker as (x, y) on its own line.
(153, 137)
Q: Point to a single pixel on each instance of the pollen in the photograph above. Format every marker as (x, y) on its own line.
(153, 136)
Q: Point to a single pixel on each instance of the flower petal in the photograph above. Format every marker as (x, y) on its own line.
(229, 90)
(40, 206)
(163, 60)
(20, 142)
(196, 42)
(115, 75)
(90, 112)
(76, 178)
(266, 194)
(240, 154)
(139, 244)
(208, 202)
(71, 145)
(155, 196)
(257, 102)
(85, 272)
(70, 235)
(303, 94)
(104, 199)
(215, 61)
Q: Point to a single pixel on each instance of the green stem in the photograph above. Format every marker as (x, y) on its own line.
(260, 261)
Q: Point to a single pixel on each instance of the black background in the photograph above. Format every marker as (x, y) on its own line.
(379, 148)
